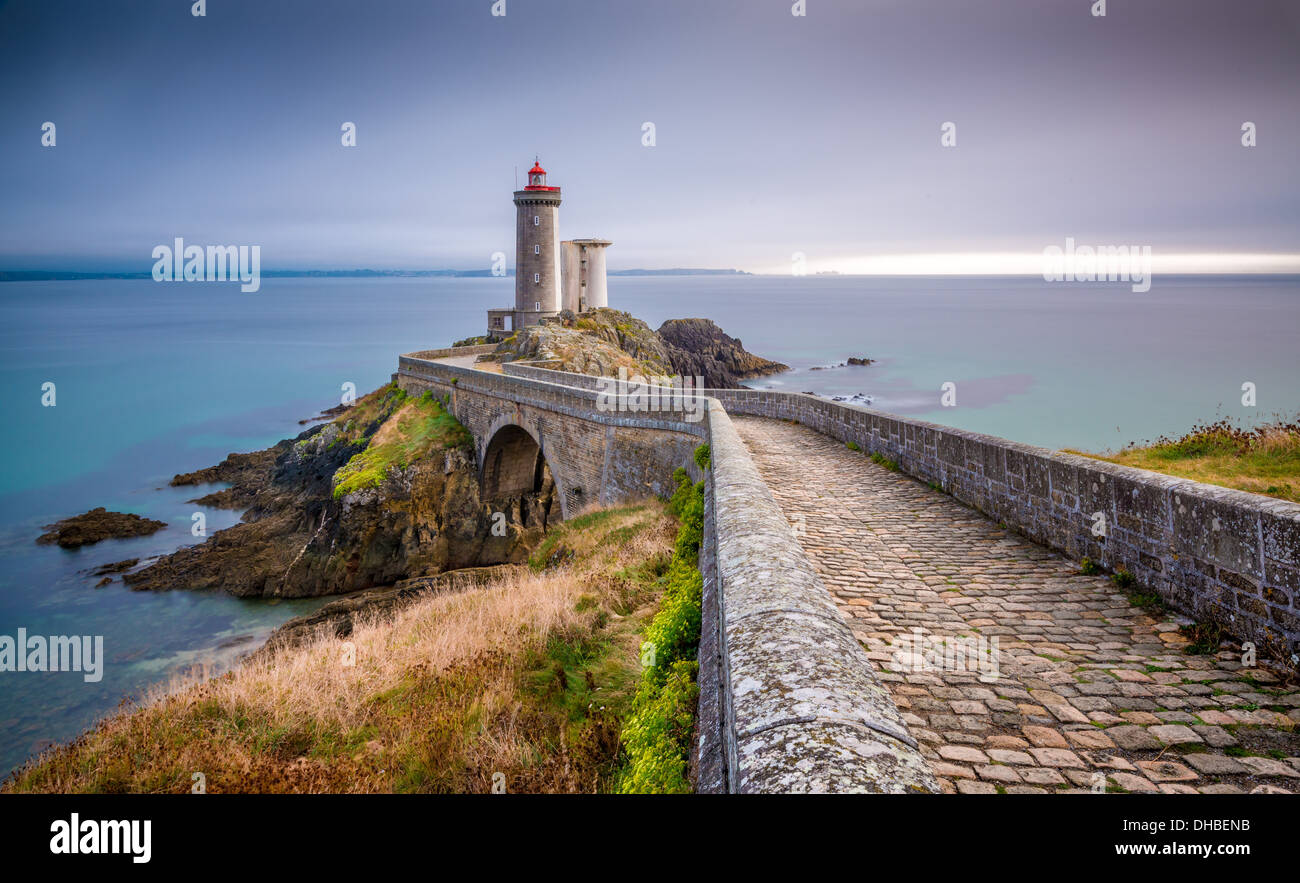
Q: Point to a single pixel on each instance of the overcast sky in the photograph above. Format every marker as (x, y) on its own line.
(775, 134)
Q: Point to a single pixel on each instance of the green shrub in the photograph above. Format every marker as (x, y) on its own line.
(852, 446)
(1088, 567)
(702, 454)
(1122, 578)
(658, 732)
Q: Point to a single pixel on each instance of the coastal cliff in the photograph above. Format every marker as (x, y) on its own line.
(385, 491)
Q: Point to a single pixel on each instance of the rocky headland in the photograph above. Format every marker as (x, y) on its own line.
(604, 340)
(384, 492)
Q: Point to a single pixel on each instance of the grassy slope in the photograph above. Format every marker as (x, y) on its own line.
(416, 428)
(529, 678)
(1263, 461)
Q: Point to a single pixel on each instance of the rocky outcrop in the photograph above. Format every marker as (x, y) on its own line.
(602, 341)
(698, 347)
(95, 525)
(302, 536)
(243, 472)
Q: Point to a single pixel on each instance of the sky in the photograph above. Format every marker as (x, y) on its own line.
(774, 134)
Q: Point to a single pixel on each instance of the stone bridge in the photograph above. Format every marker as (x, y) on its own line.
(838, 592)
(520, 424)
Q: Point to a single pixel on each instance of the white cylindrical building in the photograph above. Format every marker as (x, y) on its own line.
(571, 276)
(587, 286)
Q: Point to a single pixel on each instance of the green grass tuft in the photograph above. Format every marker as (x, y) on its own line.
(423, 428)
(881, 460)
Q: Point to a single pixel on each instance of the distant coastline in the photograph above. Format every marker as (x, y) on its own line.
(72, 276)
(69, 276)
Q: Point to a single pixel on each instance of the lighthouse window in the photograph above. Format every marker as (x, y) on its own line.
(537, 305)
(537, 219)
(537, 277)
(537, 249)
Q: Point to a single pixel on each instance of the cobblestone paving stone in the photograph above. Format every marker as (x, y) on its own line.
(1087, 686)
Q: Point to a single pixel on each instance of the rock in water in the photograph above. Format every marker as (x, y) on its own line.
(98, 524)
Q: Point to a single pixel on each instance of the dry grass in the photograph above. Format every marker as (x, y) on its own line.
(1264, 460)
(525, 677)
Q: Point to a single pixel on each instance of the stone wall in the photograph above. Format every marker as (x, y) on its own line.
(794, 700)
(1217, 554)
(480, 350)
(789, 701)
(1214, 553)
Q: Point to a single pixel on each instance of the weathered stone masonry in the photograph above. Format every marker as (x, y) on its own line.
(1219, 554)
(594, 456)
(801, 707)
(789, 700)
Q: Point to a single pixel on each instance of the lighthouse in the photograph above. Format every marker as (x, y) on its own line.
(537, 249)
(550, 276)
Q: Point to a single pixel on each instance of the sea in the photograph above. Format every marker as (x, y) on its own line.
(152, 379)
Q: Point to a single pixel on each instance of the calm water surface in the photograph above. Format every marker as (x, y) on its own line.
(154, 379)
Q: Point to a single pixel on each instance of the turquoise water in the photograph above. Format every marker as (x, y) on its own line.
(154, 379)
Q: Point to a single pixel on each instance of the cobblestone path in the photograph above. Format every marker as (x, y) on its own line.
(1088, 686)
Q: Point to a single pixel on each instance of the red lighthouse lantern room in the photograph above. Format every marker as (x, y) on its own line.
(537, 177)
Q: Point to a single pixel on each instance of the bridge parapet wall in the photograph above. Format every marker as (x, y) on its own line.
(799, 706)
(446, 352)
(1215, 553)
(1212, 552)
(789, 701)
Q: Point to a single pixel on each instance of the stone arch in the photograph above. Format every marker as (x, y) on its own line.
(513, 463)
